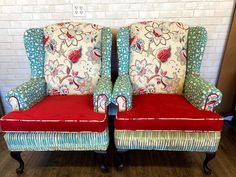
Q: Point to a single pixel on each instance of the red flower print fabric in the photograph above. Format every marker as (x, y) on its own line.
(163, 55)
(75, 55)
(158, 57)
(73, 58)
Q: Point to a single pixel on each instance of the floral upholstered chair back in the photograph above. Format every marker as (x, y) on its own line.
(158, 57)
(68, 55)
(72, 58)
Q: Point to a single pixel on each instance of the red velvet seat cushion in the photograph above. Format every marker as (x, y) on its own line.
(57, 113)
(166, 112)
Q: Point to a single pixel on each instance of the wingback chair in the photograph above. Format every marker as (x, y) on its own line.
(63, 106)
(163, 103)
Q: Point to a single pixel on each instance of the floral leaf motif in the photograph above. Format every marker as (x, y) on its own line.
(75, 73)
(139, 46)
(96, 54)
(136, 44)
(164, 73)
(132, 40)
(164, 55)
(75, 55)
(67, 70)
(45, 39)
(156, 69)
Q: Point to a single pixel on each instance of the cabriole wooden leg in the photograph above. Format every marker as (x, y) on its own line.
(209, 157)
(120, 158)
(102, 158)
(17, 156)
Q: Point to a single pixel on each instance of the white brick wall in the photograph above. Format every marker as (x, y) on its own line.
(18, 15)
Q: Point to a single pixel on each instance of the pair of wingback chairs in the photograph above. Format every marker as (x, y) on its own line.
(162, 102)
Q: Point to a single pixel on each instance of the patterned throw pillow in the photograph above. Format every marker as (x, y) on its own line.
(72, 58)
(158, 57)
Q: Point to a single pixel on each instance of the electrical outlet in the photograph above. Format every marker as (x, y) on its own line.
(79, 10)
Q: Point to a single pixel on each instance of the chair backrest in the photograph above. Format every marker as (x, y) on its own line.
(158, 53)
(72, 57)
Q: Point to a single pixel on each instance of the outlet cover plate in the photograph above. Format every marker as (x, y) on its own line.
(79, 10)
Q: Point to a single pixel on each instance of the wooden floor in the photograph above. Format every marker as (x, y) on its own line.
(140, 164)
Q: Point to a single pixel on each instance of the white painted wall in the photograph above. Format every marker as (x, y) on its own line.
(18, 15)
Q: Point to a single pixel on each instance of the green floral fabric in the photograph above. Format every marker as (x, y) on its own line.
(28, 93)
(201, 93)
(123, 88)
(123, 85)
(106, 52)
(123, 48)
(197, 38)
(34, 46)
(103, 87)
(104, 84)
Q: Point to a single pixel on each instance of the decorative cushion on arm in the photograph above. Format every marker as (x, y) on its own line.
(201, 93)
(28, 93)
(166, 112)
(71, 113)
(103, 89)
(123, 88)
(33, 39)
(73, 57)
(158, 57)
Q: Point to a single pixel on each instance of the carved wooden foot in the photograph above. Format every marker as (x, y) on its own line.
(120, 160)
(16, 155)
(102, 158)
(209, 157)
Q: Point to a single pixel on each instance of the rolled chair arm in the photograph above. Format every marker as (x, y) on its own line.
(122, 93)
(27, 94)
(102, 94)
(201, 93)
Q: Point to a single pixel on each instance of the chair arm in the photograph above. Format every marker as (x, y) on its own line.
(201, 93)
(102, 94)
(27, 94)
(122, 93)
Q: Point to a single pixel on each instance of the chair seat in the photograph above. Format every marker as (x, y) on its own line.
(166, 112)
(57, 113)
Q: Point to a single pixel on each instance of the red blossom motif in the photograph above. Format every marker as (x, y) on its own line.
(51, 46)
(163, 55)
(164, 73)
(45, 39)
(60, 24)
(156, 34)
(69, 35)
(75, 73)
(144, 23)
(67, 70)
(133, 39)
(75, 55)
(139, 46)
(141, 91)
(55, 92)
